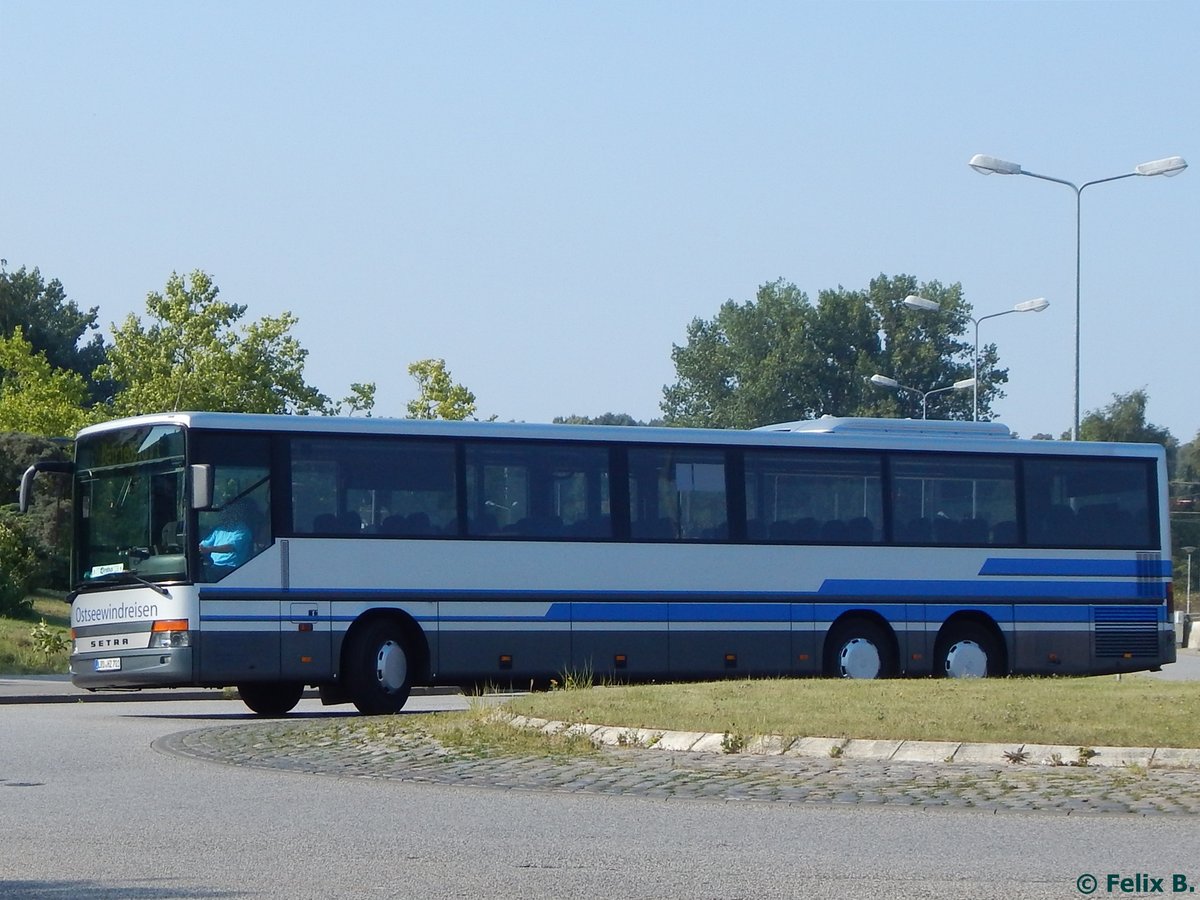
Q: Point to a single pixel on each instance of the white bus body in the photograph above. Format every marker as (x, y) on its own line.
(386, 553)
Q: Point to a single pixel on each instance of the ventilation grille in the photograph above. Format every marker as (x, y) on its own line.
(1125, 630)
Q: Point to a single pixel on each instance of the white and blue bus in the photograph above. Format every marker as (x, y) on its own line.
(365, 556)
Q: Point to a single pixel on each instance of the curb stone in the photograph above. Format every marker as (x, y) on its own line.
(934, 752)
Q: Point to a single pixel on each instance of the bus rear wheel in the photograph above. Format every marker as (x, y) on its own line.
(859, 648)
(967, 650)
(269, 698)
(378, 668)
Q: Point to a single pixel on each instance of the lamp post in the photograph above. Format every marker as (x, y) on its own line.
(1025, 306)
(1037, 305)
(989, 165)
(892, 384)
(1189, 551)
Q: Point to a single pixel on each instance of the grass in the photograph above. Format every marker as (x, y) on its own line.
(476, 733)
(1136, 711)
(18, 654)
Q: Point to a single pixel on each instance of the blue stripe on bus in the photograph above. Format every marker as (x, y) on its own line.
(622, 611)
(558, 612)
(1014, 590)
(1095, 568)
(721, 611)
(892, 612)
(1051, 613)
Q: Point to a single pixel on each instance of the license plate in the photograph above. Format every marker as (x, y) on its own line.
(110, 664)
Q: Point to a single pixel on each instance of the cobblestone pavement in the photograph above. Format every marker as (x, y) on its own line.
(357, 751)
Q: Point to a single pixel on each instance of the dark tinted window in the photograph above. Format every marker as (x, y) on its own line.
(356, 486)
(677, 494)
(538, 490)
(954, 500)
(1090, 503)
(814, 497)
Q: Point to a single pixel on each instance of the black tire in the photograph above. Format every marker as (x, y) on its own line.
(271, 698)
(859, 648)
(967, 650)
(378, 668)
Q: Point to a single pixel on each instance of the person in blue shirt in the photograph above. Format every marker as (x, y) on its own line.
(229, 544)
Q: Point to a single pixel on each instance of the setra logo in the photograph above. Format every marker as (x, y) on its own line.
(104, 643)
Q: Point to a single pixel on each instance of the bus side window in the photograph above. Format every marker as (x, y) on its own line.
(1090, 503)
(677, 494)
(950, 499)
(240, 514)
(366, 486)
(540, 490)
(812, 497)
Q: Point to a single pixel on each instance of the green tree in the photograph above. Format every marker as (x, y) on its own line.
(1187, 473)
(360, 399)
(1185, 508)
(18, 566)
(45, 529)
(605, 419)
(742, 368)
(438, 396)
(779, 357)
(197, 354)
(35, 397)
(1125, 420)
(53, 325)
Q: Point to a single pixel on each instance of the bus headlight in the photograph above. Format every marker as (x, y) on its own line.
(167, 634)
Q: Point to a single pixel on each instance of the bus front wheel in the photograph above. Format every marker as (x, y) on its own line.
(378, 668)
(859, 648)
(271, 698)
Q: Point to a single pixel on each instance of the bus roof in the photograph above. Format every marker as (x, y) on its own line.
(827, 431)
(931, 427)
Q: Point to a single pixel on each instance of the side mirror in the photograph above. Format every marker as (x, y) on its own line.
(202, 486)
(58, 467)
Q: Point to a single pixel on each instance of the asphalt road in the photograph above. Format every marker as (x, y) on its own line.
(1185, 668)
(89, 809)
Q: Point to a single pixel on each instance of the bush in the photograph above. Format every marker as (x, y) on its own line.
(46, 527)
(48, 641)
(19, 567)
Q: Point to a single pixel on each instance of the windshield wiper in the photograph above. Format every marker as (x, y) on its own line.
(117, 577)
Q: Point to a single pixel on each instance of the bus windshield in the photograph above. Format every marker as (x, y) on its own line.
(131, 506)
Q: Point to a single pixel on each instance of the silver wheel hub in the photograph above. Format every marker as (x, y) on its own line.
(391, 667)
(859, 659)
(966, 659)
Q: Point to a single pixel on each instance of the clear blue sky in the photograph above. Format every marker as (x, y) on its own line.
(545, 194)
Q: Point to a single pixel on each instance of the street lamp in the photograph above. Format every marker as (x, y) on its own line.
(912, 301)
(989, 165)
(1037, 305)
(892, 384)
(1189, 551)
(1025, 306)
